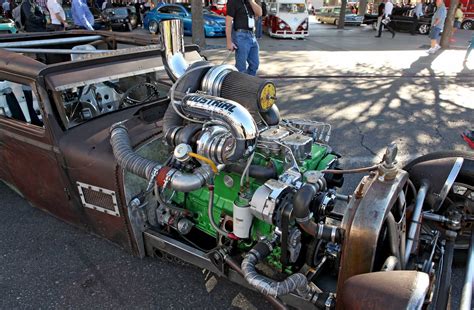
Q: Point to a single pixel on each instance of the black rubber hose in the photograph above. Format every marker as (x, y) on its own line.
(297, 282)
(302, 201)
(171, 120)
(393, 236)
(255, 171)
(466, 175)
(126, 157)
(439, 155)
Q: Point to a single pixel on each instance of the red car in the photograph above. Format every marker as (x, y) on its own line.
(219, 9)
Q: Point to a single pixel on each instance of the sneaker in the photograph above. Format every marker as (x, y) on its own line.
(436, 48)
(431, 51)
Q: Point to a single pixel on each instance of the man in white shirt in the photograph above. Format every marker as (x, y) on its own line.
(388, 8)
(58, 17)
(387, 12)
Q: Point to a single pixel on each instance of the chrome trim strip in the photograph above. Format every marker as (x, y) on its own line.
(466, 297)
(449, 182)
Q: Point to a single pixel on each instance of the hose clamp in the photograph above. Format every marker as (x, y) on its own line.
(319, 235)
(303, 220)
(333, 234)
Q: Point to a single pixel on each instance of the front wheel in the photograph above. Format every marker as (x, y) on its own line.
(467, 25)
(153, 27)
(424, 29)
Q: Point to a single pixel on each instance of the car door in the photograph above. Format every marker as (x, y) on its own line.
(27, 147)
(163, 13)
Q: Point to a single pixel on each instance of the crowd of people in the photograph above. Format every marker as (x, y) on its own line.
(31, 15)
(436, 9)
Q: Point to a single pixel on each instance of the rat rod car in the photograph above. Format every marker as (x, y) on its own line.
(205, 169)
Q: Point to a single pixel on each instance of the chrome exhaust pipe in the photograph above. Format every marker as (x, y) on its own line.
(466, 297)
(172, 48)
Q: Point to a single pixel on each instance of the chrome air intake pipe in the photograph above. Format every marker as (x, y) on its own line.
(234, 131)
(172, 48)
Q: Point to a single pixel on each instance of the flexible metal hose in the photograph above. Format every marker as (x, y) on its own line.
(297, 282)
(277, 304)
(126, 157)
(131, 161)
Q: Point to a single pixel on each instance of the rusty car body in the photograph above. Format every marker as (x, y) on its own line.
(163, 153)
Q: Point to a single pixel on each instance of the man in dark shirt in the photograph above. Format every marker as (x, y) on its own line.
(240, 27)
(32, 17)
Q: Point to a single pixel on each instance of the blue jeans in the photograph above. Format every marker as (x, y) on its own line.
(435, 33)
(258, 28)
(246, 52)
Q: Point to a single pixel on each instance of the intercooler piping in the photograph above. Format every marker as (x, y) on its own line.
(128, 159)
(301, 210)
(296, 282)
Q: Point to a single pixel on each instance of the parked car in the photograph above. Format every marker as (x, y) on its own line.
(467, 24)
(286, 19)
(219, 9)
(467, 7)
(7, 26)
(402, 21)
(133, 16)
(316, 11)
(330, 15)
(118, 18)
(214, 25)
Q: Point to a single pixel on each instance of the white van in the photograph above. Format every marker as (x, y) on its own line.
(286, 19)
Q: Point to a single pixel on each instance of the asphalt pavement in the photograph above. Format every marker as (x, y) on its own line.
(372, 91)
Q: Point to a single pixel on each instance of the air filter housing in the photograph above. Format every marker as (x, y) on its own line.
(255, 94)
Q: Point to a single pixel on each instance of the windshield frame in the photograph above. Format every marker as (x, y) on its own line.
(297, 4)
(66, 75)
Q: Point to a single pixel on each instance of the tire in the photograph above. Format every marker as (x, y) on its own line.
(335, 22)
(153, 27)
(424, 29)
(467, 25)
